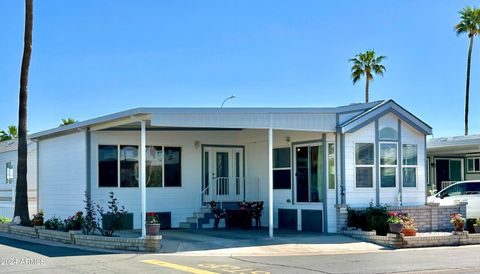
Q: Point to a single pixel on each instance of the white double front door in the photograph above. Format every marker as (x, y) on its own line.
(223, 175)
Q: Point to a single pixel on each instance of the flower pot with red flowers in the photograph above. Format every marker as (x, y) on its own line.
(152, 225)
(395, 223)
(457, 221)
(409, 228)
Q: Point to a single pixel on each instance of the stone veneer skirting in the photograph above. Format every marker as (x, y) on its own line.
(400, 241)
(149, 244)
(429, 217)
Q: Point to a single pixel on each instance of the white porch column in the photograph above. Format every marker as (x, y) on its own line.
(270, 181)
(143, 176)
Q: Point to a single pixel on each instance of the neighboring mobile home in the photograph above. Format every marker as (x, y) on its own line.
(8, 177)
(307, 159)
(453, 159)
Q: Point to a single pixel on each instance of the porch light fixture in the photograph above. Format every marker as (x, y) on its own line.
(226, 99)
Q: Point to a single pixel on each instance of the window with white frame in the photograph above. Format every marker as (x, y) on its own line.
(409, 165)
(9, 173)
(282, 168)
(473, 164)
(331, 165)
(118, 166)
(364, 164)
(388, 164)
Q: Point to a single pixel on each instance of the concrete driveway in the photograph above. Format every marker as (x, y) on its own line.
(256, 242)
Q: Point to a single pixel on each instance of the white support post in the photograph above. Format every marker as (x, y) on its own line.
(143, 176)
(270, 180)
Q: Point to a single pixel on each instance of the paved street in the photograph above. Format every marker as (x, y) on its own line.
(25, 257)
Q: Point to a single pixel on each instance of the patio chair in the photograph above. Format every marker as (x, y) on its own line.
(257, 213)
(218, 214)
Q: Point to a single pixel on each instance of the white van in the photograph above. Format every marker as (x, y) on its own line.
(465, 191)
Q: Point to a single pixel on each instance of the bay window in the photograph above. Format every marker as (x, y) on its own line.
(364, 163)
(409, 165)
(388, 164)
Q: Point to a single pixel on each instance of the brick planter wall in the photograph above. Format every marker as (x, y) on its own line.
(400, 241)
(149, 244)
(53, 235)
(430, 217)
(24, 231)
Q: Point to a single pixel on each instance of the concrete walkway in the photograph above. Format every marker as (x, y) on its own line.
(208, 242)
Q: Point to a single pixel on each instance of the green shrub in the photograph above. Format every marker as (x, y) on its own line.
(357, 218)
(368, 219)
(55, 223)
(470, 223)
(4, 220)
(377, 219)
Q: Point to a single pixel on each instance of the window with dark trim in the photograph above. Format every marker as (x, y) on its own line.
(473, 164)
(364, 163)
(173, 162)
(107, 166)
(282, 171)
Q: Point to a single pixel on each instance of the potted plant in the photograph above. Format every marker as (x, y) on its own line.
(409, 228)
(458, 221)
(152, 225)
(476, 226)
(38, 218)
(395, 222)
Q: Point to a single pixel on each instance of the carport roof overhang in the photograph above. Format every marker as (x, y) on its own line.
(309, 119)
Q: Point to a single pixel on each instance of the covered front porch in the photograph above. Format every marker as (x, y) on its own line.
(292, 170)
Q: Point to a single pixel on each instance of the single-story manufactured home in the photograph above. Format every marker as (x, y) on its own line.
(453, 159)
(8, 177)
(302, 162)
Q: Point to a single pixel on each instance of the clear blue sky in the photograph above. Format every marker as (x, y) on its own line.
(98, 57)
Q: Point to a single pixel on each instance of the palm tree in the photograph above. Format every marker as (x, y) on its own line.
(68, 121)
(10, 134)
(21, 199)
(364, 64)
(469, 24)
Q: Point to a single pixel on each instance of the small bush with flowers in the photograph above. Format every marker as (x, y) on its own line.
(394, 218)
(152, 218)
(74, 222)
(458, 221)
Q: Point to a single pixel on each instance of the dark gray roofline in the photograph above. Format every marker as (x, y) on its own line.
(414, 121)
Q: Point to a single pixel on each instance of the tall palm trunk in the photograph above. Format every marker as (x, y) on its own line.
(21, 199)
(366, 88)
(467, 85)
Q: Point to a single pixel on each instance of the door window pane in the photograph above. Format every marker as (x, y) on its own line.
(388, 176)
(206, 172)
(364, 154)
(222, 164)
(107, 166)
(154, 158)
(302, 174)
(388, 154)
(364, 177)
(409, 155)
(173, 157)
(473, 188)
(128, 166)
(455, 167)
(317, 179)
(281, 157)
(282, 179)
(331, 166)
(409, 177)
